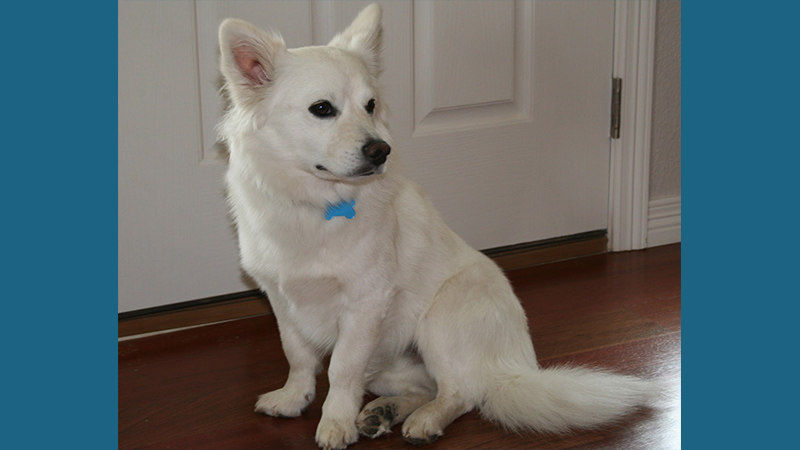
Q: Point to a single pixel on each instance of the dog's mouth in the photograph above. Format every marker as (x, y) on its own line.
(360, 173)
(368, 171)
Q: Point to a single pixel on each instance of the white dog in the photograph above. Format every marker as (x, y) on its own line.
(357, 263)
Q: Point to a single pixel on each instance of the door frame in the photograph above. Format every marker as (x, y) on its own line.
(629, 180)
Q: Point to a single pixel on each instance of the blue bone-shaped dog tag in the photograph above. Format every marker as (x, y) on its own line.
(343, 208)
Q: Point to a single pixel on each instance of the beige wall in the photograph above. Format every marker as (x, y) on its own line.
(665, 157)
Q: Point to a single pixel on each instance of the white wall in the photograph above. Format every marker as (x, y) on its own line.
(664, 215)
(665, 156)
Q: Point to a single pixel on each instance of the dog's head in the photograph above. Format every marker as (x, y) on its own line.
(316, 110)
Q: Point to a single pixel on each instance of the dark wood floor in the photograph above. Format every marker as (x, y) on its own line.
(196, 389)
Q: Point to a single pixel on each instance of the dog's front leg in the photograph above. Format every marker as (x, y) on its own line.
(358, 337)
(304, 364)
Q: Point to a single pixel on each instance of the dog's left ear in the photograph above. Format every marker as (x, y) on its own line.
(364, 37)
(247, 59)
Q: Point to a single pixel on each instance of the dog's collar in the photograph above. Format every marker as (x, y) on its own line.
(344, 208)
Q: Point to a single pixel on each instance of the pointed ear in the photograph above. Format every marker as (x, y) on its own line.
(247, 59)
(364, 37)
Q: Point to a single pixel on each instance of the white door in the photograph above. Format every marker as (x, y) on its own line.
(500, 109)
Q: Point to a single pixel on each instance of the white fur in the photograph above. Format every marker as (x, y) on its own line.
(406, 308)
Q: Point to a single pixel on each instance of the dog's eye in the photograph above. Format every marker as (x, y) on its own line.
(370, 106)
(322, 109)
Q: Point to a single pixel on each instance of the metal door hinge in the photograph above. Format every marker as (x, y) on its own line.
(616, 107)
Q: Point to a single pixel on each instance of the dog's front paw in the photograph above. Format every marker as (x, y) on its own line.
(336, 434)
(283, 402)
(422, 427)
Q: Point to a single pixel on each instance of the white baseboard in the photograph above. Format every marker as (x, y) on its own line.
(664, 221)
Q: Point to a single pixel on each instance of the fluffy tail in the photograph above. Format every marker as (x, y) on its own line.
(557, 400)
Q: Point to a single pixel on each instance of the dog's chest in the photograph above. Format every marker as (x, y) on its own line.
(314, 305)
(307, 264)
(306, 284)
(291, 253)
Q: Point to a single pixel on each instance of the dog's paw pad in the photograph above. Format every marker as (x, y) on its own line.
(376, 421)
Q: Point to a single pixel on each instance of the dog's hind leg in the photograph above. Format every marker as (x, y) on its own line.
(381, 414)
(428, 422)
(472, 320)
(404, 386)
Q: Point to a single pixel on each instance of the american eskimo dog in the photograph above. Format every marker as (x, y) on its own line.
(357, 263)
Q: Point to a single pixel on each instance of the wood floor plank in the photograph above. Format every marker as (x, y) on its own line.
(657, 358)
(196, 388)
(591, 332)
(236, 309)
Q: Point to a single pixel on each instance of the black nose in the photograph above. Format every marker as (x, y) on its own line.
(376, 151)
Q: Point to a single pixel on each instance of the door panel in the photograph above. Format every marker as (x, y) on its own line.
(499, 109)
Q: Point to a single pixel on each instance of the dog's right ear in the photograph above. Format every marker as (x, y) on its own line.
(364, 37)
(247, 59)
